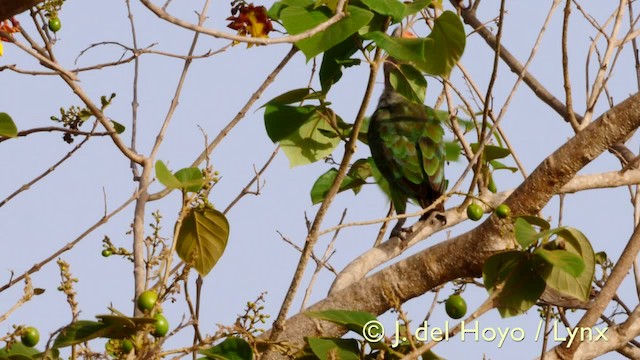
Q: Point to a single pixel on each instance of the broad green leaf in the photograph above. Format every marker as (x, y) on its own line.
(564, 260)
(334, 60)
(283, 121)
(118, 127)
(447, 44)
(403, 49)
(492, 152)
(578, 287)
(324, 182)
(415, 7)
(290, 97)
(125, 321)
(497, 267)
(393, 8)
(110, 326)
(191, 179)
(521, 291)
(525, 233)
(331, 4)
(166, 178)
(497, 165)
(536, 221)
(78, 332)
(18, 349)
(309, 142)
(7, 126)
(521, 285)
(232, 348)
(202, 238)
(352, 320)
(361, 169)
(409, 82)
(299, 19)
(332, 348)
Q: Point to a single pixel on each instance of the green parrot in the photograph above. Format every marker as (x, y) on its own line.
(406, 142)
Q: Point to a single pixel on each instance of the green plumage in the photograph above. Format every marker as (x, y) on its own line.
(406, 141)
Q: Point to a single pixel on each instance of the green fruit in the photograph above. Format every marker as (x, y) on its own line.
(30, 337)
(106, 253)
(456, 306)
(474, 211)
(162, 326)
(147, 300)
(503, 211)
(54, 24)
(126, 346)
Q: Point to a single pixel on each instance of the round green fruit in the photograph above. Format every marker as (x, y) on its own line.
(147, 300)
(162, 326)
(474, 211)
(106, 253)
(54, 24)
(30, 337)
(503, 211)
(456, 306)
(126, 346)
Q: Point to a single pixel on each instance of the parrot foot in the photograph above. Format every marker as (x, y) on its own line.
(399, 231)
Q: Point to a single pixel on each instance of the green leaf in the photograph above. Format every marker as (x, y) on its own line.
(110, 326)
(536, 221)
(78, 332)
(332, 348)
(443, 116)
(447, 44)
(7, 126)
(393, 8)
(415, 7)
(324, 182)
(191, 179)
(525, 233)
(497, 268)
(299, 19)
(572, 241)
(564, 260)
(409, 82)
(352, 320)
(166, 178)
(521, 285)
(202, 238)
(290, 97)
(334, 60)
(435, 54)
(403, 49)
(118, 127)
(232, 348)
(18, 349)
(492, 152)
(301, 132)
(283, 121)
(497, 165)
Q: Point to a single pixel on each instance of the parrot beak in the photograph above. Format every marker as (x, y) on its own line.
(405, 34)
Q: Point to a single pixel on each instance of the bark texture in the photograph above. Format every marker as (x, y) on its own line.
(464, 255)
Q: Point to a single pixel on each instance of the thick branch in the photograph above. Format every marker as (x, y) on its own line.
(9, 8)
(464, 255)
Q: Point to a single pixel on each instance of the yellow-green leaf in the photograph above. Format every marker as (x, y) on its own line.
(202, 238)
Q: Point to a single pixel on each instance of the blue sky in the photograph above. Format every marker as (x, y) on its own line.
(65, 203)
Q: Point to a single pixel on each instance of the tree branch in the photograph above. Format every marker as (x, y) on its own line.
(464, 255)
